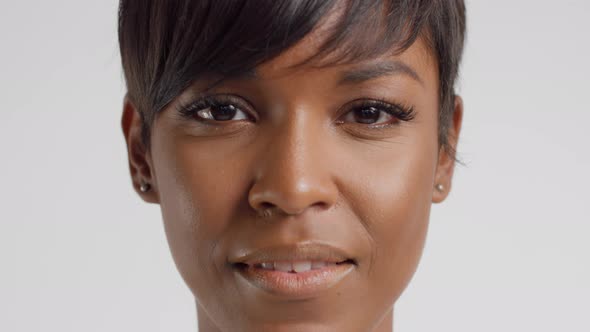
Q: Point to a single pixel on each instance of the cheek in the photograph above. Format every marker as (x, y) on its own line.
(392, 197)
(398, 227)
(198, 194)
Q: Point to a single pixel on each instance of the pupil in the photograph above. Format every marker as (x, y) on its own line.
(368, 114)
(224, 112)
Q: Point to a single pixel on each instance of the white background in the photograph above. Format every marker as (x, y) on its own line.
(508, 251)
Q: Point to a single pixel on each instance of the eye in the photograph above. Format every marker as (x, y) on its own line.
(221, 113)
(215, 109)
(377, 113)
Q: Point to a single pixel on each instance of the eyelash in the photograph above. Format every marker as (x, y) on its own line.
(398, 112)
(190, 110)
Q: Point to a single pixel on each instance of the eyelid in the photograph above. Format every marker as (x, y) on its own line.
(401, 111)
(190, 108)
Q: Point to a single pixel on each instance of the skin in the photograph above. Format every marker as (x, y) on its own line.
(343, 183)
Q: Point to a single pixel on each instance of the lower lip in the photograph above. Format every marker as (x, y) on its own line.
(296, 285)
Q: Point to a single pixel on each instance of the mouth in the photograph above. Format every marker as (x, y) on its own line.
(292, 266)
(294, 272)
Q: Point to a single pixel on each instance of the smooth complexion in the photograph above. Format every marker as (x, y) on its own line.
(296, 164)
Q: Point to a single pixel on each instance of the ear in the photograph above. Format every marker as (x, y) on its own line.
(140, 164)
(446, 162)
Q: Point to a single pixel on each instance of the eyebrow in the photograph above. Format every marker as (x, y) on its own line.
(248, 74)
(378, 69)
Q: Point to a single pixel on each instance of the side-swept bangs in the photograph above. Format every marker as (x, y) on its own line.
(168, 44)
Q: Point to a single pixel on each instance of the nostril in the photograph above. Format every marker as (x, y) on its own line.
(266, 209)
(266, 205)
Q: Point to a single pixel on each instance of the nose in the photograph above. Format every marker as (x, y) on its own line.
(293, 173)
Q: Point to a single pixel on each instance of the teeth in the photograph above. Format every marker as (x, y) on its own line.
(267, 266)
(283, 266)
(318, 265)
(297, 266)
(302, 266)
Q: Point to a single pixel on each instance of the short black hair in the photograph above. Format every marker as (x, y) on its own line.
(166, 45)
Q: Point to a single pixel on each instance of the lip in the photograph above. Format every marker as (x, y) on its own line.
(302, 251)
(293, 285)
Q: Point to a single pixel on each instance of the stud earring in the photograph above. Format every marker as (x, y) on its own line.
(145, 187)
(440, 187)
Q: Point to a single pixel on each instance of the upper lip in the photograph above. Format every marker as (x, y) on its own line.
(302, 251)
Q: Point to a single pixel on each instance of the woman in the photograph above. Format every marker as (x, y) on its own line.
(295, 149)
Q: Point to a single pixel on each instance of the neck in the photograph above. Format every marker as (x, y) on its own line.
(206, 325)
(386, 324)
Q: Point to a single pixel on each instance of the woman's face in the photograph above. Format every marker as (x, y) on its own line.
(286, 157)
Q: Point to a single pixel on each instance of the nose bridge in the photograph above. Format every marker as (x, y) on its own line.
(293, 173)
